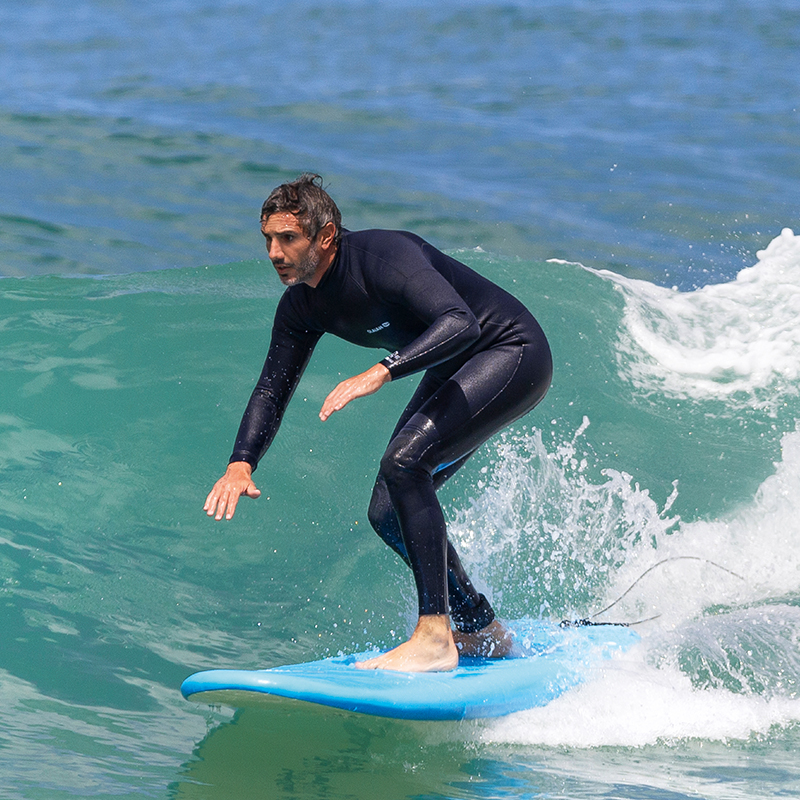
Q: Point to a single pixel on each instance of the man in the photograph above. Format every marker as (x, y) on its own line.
(486, 363)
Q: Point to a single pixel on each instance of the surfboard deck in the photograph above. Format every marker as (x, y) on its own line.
(554, 659)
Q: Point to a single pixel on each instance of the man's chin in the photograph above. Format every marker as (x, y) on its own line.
(295, 278)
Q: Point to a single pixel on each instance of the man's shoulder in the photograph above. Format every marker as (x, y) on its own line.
(380, 248)
(380, 238)
(295, 310)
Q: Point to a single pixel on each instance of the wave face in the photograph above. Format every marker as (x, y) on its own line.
(657, 481)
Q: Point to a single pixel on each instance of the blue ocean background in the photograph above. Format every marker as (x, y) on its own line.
(628, 169)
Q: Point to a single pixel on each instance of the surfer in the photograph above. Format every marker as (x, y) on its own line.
(486, 363)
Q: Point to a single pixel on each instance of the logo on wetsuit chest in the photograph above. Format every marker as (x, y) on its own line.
(379, 328)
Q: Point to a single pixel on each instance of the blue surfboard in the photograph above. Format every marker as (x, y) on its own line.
(553, 659)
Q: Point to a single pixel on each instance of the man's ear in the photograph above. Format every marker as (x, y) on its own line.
(327, 236)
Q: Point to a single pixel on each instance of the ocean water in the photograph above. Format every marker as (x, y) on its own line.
(628, 169)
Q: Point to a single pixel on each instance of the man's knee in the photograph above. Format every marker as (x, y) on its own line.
(402, 460)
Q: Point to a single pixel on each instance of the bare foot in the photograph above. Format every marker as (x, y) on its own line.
(493, 641)
(430, 649)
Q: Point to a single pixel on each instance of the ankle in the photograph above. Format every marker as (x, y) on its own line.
(435, 628)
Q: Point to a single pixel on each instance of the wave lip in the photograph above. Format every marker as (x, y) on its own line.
(736, 341)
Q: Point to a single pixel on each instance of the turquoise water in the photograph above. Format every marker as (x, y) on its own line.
(626, 169)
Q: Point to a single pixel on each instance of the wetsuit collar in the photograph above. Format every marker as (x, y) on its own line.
(326, 275)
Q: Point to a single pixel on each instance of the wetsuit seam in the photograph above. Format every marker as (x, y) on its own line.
(474, 416)
(506, 384)
(442, 342)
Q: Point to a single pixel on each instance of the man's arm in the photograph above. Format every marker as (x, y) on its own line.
(286, 361)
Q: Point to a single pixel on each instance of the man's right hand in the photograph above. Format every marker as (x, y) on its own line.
(235, 483)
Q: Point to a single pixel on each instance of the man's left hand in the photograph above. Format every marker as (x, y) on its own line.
(358, 386)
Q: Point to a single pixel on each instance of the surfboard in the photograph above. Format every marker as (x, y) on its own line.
(554, 658)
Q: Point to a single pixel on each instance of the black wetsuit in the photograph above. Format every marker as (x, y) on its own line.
(487, 363)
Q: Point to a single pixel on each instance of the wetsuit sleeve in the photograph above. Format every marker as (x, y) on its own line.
(287, 358)
(452, 327)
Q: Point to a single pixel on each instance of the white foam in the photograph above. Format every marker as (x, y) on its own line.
(541, 529)
(738, 341)
(632, 704)
(756, 546)
(720, 661)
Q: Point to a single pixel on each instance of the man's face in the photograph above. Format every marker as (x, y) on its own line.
(295, 257)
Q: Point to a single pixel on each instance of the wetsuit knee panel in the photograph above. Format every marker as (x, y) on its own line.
(404, 457)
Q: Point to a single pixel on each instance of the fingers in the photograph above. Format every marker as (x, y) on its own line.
(222, 502)
(337, 399)
(224, 497)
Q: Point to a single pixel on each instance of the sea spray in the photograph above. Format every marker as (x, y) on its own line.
(720, 655)
(543, 536)
(718, 593)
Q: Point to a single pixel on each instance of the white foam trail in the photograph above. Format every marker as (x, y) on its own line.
(757, 542)
(632, 704)
(721, 661)
(738, 341)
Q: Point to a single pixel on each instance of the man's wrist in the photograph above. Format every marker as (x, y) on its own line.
(383, 371)
(240, 466)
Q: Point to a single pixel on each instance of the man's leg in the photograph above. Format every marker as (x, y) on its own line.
(469, 609)
(492, 390)
(477, 632)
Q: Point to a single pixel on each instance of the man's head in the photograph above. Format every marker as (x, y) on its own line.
(308, 201)
(302, 227)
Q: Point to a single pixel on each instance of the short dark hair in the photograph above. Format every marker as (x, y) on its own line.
(308, 201)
